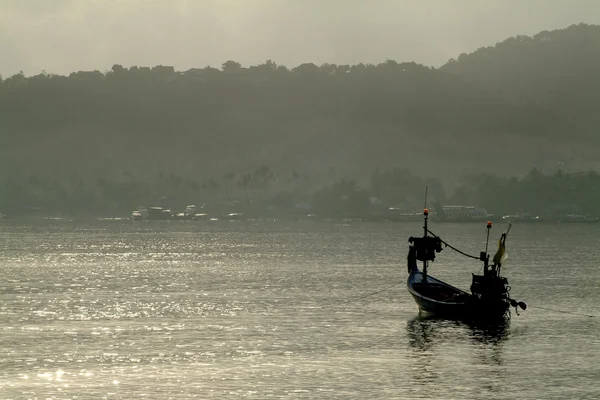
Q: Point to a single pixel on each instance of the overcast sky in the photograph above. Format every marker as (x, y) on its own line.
(61, 36)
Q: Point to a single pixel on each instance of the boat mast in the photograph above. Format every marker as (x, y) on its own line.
(425, 215)
(486, 257)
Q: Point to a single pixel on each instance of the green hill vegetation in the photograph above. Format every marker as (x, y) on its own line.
(128, 136)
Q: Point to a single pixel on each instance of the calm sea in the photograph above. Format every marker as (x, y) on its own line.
(122, 309)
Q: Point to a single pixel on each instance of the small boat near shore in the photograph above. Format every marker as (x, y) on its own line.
(151, 214)
(489, 299)
(162, 214)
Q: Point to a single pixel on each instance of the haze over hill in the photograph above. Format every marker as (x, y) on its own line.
(468, 114)
(526, 102)
(555, 69)
(62, 36)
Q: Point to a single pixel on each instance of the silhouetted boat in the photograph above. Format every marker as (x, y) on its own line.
(489, 298)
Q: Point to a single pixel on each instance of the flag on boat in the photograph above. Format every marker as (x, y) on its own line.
(501, 255)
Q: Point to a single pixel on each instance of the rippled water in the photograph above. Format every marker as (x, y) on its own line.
(118, 309)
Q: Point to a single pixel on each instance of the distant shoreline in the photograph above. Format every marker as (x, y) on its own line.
(293, 219)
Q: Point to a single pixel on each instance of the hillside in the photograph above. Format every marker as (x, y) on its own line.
(526, 102)
(559, 70)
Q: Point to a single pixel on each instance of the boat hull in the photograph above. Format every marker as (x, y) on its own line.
(436, 297)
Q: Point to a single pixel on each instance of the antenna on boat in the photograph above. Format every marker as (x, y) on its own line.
(487, 239)
(485, 257)
(425, 212)
(425, 215)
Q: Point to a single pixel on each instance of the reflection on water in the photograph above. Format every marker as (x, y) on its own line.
(430, 338)
(424, 331)
(490, 334)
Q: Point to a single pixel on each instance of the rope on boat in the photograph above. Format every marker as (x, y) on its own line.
(565, 312)
(371, 294)
(353, 299)
(452, 247)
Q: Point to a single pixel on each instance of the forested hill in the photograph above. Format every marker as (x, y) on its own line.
(525, 102)
(559, 70)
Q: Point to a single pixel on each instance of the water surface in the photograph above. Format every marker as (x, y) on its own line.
(179, 309)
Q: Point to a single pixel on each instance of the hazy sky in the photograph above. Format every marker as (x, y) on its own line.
(62, 36)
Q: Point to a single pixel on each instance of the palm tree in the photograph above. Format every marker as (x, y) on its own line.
(228, 179)
(264, 176)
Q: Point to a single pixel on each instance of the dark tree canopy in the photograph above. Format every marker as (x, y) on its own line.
(559, 70)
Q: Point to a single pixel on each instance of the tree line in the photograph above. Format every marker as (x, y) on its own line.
(261, 192)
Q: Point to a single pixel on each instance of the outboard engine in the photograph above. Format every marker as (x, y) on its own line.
(490, 288)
